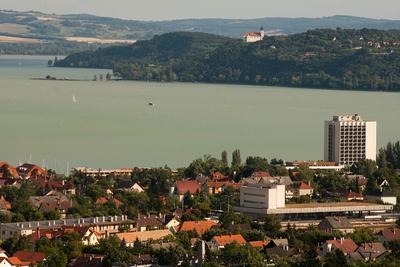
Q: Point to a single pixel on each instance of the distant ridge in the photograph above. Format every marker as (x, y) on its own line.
(41, 25)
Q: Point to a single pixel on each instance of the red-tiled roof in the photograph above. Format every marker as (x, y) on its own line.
(14, 261)
(304, 186)
(4, 204)
(30, 256)
(217, 176)
(183, 187)
(391, 234)
(258, 244)
(252, 34)
(347, 246)
(101, 200)
(223, 240)
(30, 170)
(11, 169)
(199, 226)
(353, 195)
(261, 174)
(223, 184)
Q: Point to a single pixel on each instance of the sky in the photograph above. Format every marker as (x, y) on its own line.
(178, 9)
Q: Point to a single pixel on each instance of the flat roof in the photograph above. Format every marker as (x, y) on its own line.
(327, 207)
(328, 204)
(50, 224)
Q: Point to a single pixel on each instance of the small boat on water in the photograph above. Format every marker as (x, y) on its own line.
(73, 99)
(151, 104)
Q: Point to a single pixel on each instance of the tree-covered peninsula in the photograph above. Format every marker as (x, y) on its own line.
(364, 59)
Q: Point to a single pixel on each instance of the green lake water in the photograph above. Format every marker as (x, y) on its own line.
(111, 124)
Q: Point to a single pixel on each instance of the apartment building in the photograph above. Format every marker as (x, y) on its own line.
(349, 139)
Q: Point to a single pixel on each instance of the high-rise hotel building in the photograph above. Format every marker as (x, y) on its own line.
(348, 139)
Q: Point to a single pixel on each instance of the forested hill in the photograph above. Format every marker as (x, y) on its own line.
(161, 49)
(341, 59)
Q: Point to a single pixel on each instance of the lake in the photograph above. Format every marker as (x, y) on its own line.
(110, 123)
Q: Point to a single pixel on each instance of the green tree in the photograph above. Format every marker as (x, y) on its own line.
(224, 158)
(271, 225)
(236, 159)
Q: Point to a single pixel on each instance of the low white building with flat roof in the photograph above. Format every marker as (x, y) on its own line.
(262, 196)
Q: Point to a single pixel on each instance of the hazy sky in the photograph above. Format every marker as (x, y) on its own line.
(174, 9)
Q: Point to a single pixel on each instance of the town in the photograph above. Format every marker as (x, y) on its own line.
(341, 210)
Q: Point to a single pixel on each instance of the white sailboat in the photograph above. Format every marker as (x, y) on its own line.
(73, 99)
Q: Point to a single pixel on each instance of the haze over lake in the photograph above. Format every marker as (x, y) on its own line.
(110, 123)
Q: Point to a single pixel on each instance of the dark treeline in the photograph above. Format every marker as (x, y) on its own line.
(46, 48)
(340, 59)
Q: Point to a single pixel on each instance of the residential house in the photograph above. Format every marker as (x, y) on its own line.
(135, 188)
(103, 200)
(55, 202)
(218, 187)
(186, 186)
(352, 196)
(89, 236)
(382, 183)
(131, 237)
(280, 247)
(30, 256)
(28, 171)
(258, 244)
(200, 227)
(50, 185)
(220, 241)
(128, 186)
(347, 246)
(369, 252)
(385, 197)
(304, 189)
(88, 260)
(335, 223)
(260, 174)
(388, 234)
(171, 222)
(143, 260)
(13, 262)
(278, 242)
(8, 171)
(217, 176)
(150, 222)
(3, 253)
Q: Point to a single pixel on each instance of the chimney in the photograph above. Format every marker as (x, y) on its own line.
(341, 240)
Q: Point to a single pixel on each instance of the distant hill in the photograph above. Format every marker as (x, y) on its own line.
(364, 59)
(50, 26)
(161, 49)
